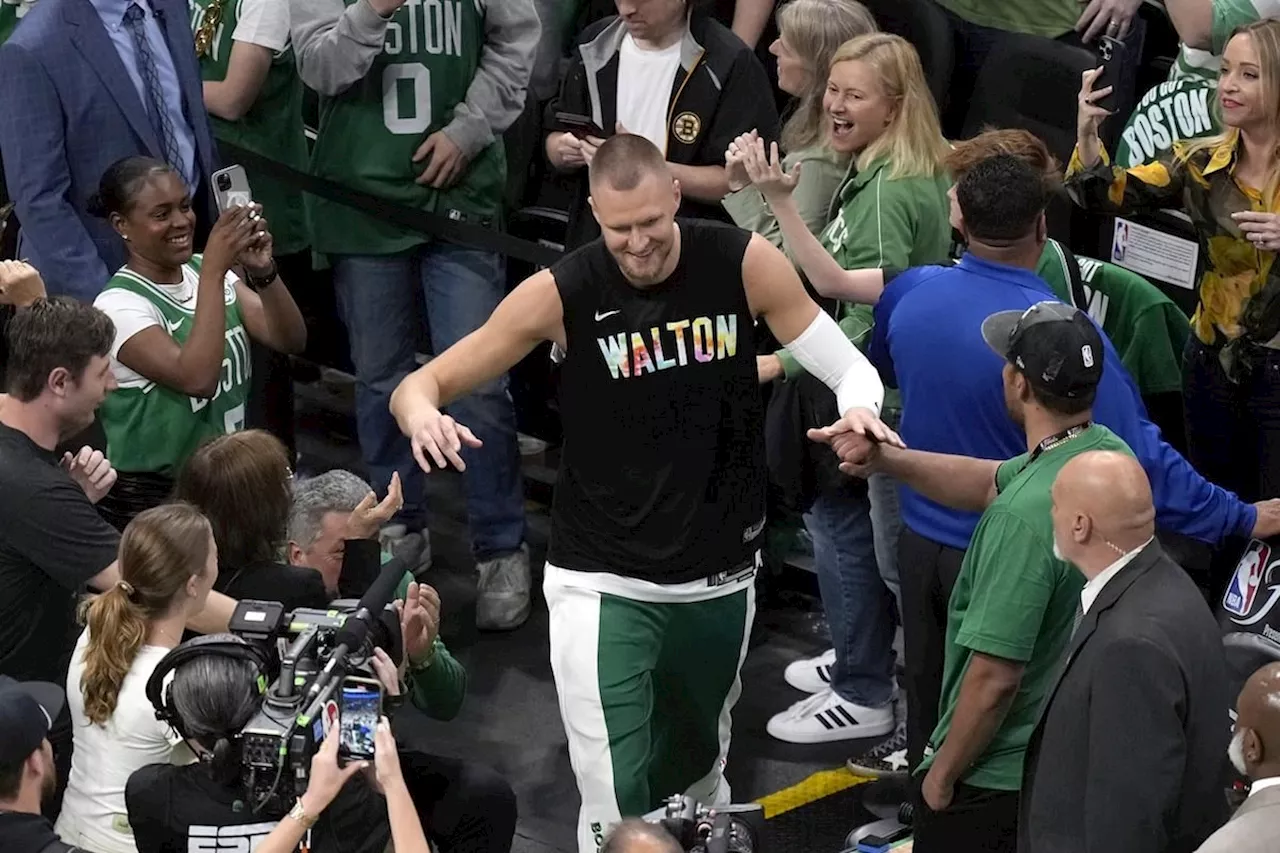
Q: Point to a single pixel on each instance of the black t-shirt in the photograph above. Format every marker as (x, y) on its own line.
(181, 809)
(662, 474)
(292, 586)
(31, 833)
(52, 541)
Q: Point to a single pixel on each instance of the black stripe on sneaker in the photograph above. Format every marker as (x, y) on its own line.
(843, 712)
(824, 722)
(824, 672)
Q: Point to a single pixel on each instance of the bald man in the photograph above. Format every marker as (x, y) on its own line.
(1255, 752)
(1127, 752)
(634, 835)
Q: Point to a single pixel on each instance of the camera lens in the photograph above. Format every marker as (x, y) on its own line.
(224, 182)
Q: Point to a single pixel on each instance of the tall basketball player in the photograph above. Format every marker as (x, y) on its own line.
(660, 506)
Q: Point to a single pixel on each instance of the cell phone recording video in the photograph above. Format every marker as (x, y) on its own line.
(1111, 55)
(359, 712)
(231, 188)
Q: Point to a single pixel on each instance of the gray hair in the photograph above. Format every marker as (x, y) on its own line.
(215, 695)
(314, 498)
(633, 830)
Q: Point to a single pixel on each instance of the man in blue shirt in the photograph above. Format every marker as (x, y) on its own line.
(88, 83)
(928, 342)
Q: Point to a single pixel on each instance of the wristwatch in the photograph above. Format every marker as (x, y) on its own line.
(299, 814)
(258, 283)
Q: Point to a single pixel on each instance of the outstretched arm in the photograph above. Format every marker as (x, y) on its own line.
(531, 314)
(775, 293)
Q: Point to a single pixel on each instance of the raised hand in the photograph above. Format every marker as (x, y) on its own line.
(370, 515)
(420, 622)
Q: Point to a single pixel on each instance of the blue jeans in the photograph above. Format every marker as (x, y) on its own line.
(858, 605)
(377, 300)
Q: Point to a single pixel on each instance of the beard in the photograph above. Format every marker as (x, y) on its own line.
(1235, 752)
(49, 784)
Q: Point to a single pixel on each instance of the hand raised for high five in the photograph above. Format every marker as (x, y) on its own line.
(440, 438)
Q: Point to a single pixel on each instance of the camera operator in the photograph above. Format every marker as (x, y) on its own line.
(214, 695)
(467, 806)
(52, 541)
(634, 835)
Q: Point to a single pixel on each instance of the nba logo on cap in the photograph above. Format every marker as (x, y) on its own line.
(1243, 588)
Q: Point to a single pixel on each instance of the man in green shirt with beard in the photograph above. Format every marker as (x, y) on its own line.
(1011, 612)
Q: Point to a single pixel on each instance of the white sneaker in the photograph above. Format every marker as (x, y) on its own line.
(812, 675)
(826, 717)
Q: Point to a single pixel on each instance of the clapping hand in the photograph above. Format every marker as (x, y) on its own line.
(735, 166)
(420, 622)
(92, 471)
(766, 172)
(20, 283)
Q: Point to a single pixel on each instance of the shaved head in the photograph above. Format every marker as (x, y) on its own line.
(1102, 509)
(624, 160)
(1257, 736)
(637, 836)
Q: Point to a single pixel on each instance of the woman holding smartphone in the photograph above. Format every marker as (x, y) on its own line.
(183, 326)
(1229, 185)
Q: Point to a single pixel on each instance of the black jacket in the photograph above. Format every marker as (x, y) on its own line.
(721, 90)
(1128, 753)
(31, 833)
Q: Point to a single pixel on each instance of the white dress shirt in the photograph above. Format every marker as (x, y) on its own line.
(1093, 588)
(1263, 784)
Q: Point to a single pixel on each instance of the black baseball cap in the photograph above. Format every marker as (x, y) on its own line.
(1056, 346)
(27, 712)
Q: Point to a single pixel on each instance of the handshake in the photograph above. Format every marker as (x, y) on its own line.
(858, 440)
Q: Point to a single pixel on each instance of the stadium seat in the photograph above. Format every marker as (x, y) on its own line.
(925, 26)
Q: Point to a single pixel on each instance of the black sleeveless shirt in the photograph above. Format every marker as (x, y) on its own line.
(662, 475)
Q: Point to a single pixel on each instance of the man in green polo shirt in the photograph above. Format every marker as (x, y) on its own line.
(1012, 609)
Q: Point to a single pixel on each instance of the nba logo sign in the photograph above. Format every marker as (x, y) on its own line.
(1244, 584)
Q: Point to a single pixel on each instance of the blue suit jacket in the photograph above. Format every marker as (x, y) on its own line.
(68, 110)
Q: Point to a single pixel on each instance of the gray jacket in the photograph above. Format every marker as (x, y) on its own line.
(1255, 827)
(336, 45)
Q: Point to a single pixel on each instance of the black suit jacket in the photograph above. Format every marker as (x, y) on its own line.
(1128, 752)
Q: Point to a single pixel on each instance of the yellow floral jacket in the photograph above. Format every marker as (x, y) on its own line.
(1238, 292)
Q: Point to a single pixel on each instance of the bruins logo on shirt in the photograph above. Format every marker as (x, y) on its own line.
(686, 127)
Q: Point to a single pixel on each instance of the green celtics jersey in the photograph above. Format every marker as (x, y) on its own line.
(152, 428)
(11, 12)
(1186, 108)
(369, 133)
(1147, 329)
(273, 125)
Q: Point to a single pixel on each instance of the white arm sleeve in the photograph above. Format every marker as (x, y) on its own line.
(827, 355)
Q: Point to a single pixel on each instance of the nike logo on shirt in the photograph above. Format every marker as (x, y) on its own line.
(600, 316)
(173, 325)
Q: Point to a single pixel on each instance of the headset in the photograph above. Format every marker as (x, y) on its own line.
(265, 667)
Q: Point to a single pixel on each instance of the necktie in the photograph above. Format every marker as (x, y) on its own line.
(161, 122)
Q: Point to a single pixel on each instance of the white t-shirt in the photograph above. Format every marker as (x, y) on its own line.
(645, 80)
(93, 810)
(133, 313)
(263, 22)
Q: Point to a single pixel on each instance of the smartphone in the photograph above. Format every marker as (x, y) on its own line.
(231, 188)
(580, 126)
(1111, 57)
(358, 715)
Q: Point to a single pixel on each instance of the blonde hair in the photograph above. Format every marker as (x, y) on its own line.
(814, 30)
(160, 551)
(913, 141)
(1265, 35)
